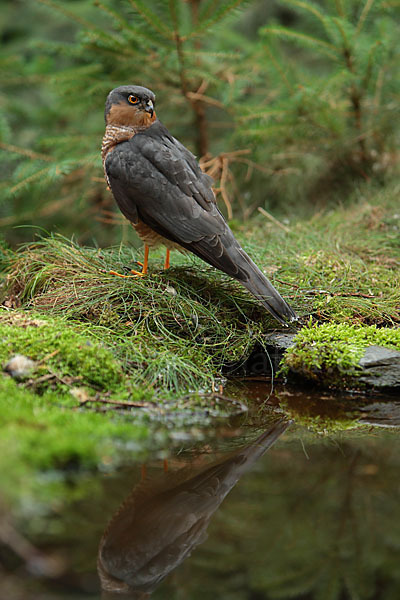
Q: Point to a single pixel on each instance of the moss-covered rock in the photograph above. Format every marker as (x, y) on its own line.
(330, 353)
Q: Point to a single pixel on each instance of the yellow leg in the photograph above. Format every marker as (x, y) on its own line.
(144, 266)
(167, 264)
(146, 259)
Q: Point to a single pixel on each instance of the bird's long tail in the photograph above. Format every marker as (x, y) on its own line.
(256, 282)
(234, 261)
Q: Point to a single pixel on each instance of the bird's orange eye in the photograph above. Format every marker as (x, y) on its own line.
(133, 99)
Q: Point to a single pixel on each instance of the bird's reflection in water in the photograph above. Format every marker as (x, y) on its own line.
(165, 518)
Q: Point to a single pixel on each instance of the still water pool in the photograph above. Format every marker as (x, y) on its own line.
(293, 503)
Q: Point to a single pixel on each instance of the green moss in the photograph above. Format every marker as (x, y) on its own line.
(46, 417)
(58, 348)
(62, 414)
(330, 352)
(46, 434)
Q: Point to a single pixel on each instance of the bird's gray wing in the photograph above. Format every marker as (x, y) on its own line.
(176, 163)
(155, 179)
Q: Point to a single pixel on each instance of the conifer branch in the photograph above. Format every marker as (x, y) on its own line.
(26, 152)
(368, 71)
(308, 6)
(196, 99)
(28, 180)
(340, 28)
(364, 14)
(67, 13)
(182, 63)
(279, 69)
(46, 210)
(339, 8)
(203, 98)
(297, 115)
(196, 104)
(122, 23)
(216, 17)
(304, 40)
(207, 8)
(151, 18)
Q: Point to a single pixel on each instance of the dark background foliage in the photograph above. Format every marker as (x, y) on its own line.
(288, 103)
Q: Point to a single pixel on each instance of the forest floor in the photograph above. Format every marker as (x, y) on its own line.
(109, 355)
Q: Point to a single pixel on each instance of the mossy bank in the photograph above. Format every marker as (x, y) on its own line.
(140, 348)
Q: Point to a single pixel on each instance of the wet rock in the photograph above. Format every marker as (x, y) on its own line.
(381, 368)
(263, 360)
(19, 366)
(266, 359)
(277, 344)
(382, 414)
(171, 290)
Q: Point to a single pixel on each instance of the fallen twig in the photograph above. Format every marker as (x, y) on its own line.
(272, 218)
(316, 292)
(122, 403)
(40, 362)
(216, 396)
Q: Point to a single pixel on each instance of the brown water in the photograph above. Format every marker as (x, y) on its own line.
(274, 504)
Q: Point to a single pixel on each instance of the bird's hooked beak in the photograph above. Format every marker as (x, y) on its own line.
(149, 107)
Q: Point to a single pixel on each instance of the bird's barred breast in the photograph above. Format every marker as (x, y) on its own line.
(153, 239)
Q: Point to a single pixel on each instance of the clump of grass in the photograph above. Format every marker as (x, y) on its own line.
(330, 352)
(170, 330)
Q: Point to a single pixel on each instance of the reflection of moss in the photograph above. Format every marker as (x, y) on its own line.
(319, 414)
(329, 353)
(40, 432)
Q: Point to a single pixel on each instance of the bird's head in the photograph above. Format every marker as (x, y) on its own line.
(130, 105)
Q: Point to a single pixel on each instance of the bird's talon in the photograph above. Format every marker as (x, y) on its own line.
(135, 274)
(117, 274)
